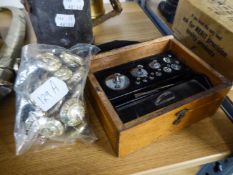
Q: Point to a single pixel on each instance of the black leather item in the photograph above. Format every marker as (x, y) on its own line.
(115, 45)
(42, 14)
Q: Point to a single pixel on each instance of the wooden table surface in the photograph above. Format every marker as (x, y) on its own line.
(131, 24)
(209, 140)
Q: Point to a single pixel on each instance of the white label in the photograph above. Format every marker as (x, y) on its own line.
(49, 93)
(73, 4)
(63, 20)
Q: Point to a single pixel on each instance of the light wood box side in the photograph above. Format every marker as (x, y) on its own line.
(129, 137)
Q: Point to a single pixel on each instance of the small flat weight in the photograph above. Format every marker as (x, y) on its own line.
(117, 81)
(139, 71)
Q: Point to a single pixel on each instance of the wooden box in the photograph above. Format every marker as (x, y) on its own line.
(126, 138)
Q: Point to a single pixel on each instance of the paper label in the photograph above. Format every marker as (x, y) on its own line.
(49, 93)
(63, 20)
(73, 4)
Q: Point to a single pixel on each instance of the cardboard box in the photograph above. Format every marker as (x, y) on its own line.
(206, 27)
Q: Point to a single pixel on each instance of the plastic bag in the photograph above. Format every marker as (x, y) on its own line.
(50, 107)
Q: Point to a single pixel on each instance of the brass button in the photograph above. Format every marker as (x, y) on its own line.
(63, 73)
(72, 112)
(48, 61)
(72, 60)
(49, 127)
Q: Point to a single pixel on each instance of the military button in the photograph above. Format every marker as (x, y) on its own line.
(31, 123)
(78, 130)
(72, 112)
(49, 127)
(48, 61)
(78, 75)
(72, 60)
(63, 73)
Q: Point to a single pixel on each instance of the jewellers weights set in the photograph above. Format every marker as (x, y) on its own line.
(143, 86)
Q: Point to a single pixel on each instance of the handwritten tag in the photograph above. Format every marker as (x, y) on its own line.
(63, 20)
(49, 93)
(73, 4)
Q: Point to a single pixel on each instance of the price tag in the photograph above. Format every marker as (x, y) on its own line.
(73, 4)
(63, 20)
(49, 93)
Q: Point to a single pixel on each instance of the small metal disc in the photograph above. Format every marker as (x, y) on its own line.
(72, 60)
(78, 90)
(72, 112)
(177, 62)
(63, 73)
(167, 60)
(176, 66)
(151, 77)
(117, 81)
(138, 82)
(138, 79)
(139, 71)
(77, 77)
(169, 55)
(154, 64)
(50, 127)
(167, 69)
(78, 130)
(79, 74)
(158, 74)
(48, 61)
(31, 123)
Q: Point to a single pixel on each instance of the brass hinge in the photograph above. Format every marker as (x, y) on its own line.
(179, 116)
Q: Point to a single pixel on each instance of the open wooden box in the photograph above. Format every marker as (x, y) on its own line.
(128, 137)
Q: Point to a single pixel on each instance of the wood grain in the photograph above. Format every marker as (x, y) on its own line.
(157, 124)
(210, 139)
(129, 53)
(132, 24)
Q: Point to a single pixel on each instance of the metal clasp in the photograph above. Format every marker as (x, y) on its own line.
(180, 115)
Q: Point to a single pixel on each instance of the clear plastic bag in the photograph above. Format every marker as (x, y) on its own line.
(50, 106)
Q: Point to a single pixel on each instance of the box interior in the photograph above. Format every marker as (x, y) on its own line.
(133, 53)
